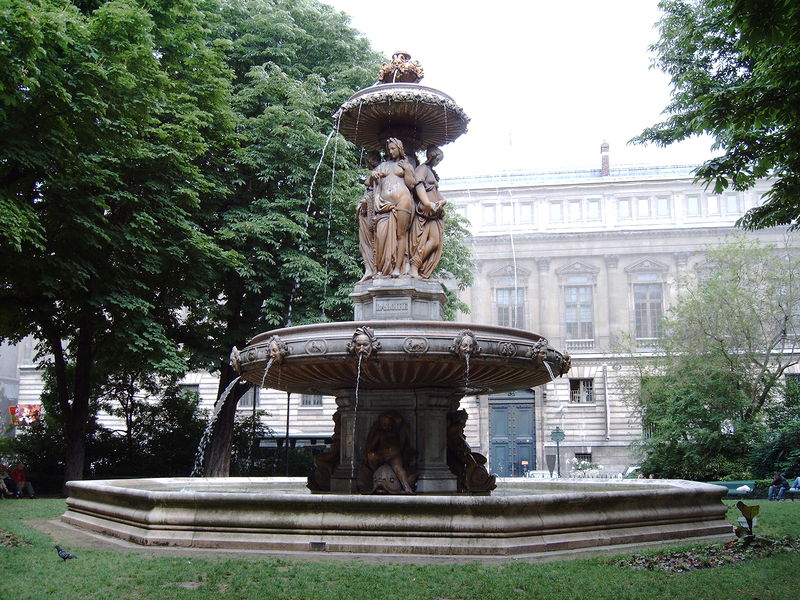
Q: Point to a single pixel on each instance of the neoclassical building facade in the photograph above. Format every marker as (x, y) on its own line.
(582, 257)
(579, 257)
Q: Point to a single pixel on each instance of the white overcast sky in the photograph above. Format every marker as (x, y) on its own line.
(544, 82)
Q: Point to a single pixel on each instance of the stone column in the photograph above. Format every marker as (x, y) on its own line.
(432, 407)
(345, 475)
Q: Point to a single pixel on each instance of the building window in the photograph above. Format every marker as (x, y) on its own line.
(526, 212)
(584, 456)
(489, 216)
(643, 207)
(506, 214)
(311, 400)
(593, 209)
(732, 204)
(189, 388)
(662, 206)
(693, 206)
(648, 309)
(624, 208)
(581, 391)
(510, 306)
(250, 396)
(575, 211)
(579, 311)
(556, 212)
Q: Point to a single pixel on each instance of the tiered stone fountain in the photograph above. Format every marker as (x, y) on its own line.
(400, 477)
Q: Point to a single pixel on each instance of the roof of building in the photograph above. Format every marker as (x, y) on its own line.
(530, 178)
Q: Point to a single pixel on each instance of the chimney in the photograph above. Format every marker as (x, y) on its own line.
(605, 168)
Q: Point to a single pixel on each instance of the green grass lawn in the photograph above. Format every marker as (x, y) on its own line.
(32, 570)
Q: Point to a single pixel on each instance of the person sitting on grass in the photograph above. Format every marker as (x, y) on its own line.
(21, 480)
(7, 486)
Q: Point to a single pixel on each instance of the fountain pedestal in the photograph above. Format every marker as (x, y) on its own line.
(401, 298)
(424, 413)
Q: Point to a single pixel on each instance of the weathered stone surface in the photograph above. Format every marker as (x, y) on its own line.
(400, 298)
(412, 354)
(522, 518)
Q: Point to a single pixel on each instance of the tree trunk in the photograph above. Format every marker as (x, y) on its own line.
(75, 410)
(75, 438)
(76, 420)
(217, 460)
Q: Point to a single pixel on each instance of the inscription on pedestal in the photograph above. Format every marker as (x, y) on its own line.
(392, 306)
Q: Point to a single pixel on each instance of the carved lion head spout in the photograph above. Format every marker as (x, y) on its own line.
(364, 343)
(465, 344)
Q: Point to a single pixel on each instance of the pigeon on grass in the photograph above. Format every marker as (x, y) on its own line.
(64, 554)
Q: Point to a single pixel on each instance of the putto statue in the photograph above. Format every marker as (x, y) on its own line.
(468, 466)
(388, 453)
(401, 69)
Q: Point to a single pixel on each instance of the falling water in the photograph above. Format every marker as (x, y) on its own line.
(197, 469)
(302, 247)
(266, 370)
(316, 172)
(549, 370)
(330, 218)
(516, 293)
(466, 371)
(355, 415)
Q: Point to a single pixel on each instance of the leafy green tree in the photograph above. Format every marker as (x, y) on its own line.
(110, 125)
(248, 431)
(167, 433)
(173, 435)
(728, 340)
(695, 429)
(288, 223)
(779, 449)
(734, 68)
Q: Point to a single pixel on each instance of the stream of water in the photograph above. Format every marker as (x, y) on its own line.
(302, 247)
(199, 457)
(355, 416)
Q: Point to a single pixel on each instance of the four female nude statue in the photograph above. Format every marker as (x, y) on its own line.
(400, 215)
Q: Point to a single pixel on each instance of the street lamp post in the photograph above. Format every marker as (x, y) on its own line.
(558, 436)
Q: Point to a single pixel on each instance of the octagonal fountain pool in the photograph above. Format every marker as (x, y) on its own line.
(521, 518)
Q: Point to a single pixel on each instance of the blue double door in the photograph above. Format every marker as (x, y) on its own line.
(512, 437)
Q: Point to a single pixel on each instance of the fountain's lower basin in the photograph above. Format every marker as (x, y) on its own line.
(522, 517)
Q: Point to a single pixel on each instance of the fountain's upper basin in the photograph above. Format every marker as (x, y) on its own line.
(412, 354)
(420, 115)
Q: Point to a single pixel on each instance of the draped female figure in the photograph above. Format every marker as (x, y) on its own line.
(427, 231)
(393, 181)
